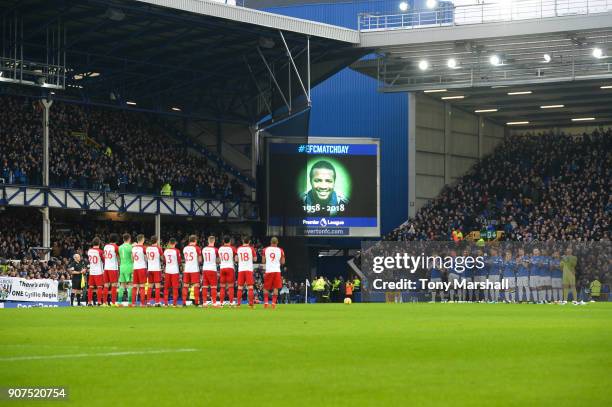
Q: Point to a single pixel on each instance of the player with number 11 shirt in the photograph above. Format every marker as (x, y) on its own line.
(210, 256)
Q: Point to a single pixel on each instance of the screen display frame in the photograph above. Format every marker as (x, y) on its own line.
(356, 231)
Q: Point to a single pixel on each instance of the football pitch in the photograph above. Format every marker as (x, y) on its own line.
(313, 355)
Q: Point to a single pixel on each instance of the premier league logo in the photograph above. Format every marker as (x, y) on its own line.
(323, 222)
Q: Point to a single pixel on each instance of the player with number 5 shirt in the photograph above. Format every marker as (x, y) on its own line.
(273, 258)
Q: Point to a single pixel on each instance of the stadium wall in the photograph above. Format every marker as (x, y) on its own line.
(349, 105)
(448, 142)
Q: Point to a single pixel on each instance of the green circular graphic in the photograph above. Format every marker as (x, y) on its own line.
(342, 185)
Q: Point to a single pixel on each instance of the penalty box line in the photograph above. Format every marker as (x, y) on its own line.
(87, 355)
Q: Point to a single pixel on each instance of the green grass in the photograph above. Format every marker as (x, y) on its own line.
(317, 355)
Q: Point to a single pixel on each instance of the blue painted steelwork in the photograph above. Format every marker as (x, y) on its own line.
(17, 195)
(348, 105)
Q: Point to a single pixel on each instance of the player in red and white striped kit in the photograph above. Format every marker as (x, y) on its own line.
(111, 269)
(155, 257)
(172, 258)
(227, 274)
(246, 255)
(139, 257)
(96, 272)
(273, 258)
(210, 256)
(192, 254)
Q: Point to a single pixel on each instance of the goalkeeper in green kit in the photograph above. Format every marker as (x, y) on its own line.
(126, 268)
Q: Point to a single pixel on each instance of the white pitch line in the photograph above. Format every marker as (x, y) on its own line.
(88, 355)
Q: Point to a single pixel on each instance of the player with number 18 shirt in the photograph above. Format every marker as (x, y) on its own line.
(246, 257)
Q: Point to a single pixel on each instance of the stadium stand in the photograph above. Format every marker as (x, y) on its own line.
(540, 187)
(532, 187)
(100, 149)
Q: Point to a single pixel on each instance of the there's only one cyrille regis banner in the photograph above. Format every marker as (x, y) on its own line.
(491, 272)
(20, 289)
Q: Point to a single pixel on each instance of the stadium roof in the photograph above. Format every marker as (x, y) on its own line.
(552, 58)
(192, 57)
(548, 105)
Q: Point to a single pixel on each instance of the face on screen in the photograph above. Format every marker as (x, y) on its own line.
(322, 183)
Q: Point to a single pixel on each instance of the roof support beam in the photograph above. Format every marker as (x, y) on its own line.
(297, 72)
(273, 78)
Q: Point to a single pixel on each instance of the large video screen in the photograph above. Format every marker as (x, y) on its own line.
(327, 187)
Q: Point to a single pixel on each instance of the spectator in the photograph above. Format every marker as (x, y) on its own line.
(532, 187)
(93, 148)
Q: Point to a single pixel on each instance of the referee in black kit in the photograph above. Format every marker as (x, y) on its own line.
(77, 268)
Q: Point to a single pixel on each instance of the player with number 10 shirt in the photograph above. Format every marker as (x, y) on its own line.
(227, 274)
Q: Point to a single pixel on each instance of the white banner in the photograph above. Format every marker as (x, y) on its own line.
(20, 289)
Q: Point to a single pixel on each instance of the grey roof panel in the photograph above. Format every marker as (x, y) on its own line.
(250, 16)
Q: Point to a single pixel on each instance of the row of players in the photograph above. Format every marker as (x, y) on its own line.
(536, 278)
(138, 264)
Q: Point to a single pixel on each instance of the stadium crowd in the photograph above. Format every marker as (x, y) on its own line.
(99, 149)
(533, 187)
